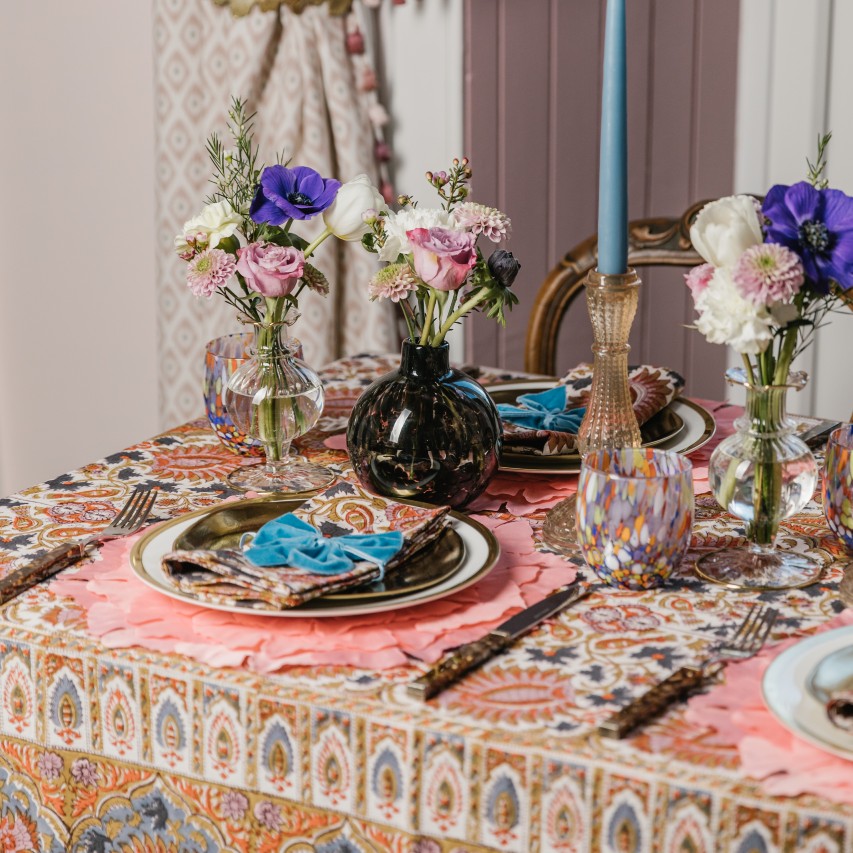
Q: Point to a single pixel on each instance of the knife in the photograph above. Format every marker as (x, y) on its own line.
(818, 435)
(471, 655)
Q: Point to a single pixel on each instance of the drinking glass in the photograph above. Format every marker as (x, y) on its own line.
(634, 514)
(838, 484)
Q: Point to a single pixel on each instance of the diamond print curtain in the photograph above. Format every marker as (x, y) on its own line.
(297, 75)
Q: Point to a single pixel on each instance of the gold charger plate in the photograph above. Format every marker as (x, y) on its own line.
(227, 524)
(481, 551)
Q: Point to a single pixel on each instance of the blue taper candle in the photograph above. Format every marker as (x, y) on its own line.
(613, 165)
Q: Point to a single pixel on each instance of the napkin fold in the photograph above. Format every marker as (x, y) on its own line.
(339, 539)
(546, 423)
(839, 709)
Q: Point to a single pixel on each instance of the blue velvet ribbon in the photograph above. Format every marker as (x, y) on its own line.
(544, 410)
(290, 541)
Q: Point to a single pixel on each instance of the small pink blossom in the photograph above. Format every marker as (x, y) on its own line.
(441, 257)
(377, 114)
(480, 219)
(85, 772)
(208, 270)
(355, 42)
(50, 765)
(234, 805)
(268, 815)
(394, 282)
(269, 269)
(768, 273)
(699, 278)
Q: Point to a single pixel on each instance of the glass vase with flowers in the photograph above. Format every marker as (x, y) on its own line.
(245, 235)
(773, 272)
(426, 430)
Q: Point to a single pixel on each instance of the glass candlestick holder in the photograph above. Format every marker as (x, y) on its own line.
(610, 421)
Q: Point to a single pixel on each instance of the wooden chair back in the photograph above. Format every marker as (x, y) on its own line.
(651, 242)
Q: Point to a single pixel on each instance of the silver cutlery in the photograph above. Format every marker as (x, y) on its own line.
(472, 655)
(747, 641)
(130, 518)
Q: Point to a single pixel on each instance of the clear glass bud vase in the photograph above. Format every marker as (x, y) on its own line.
(762, 474)
(275, 397)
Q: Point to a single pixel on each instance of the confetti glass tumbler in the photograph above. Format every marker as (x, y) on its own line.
(838, 484)
(634, 514)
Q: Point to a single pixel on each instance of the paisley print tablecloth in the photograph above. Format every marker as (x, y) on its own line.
(134, 749)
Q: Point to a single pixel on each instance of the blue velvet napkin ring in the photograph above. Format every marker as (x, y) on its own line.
(545, 410)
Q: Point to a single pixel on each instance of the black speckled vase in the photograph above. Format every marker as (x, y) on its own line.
(425, 431)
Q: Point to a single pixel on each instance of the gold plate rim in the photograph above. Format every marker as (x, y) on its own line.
(317, 610)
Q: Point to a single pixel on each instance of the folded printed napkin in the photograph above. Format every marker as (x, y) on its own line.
(839, 709)
(339, 539)
(546, 423)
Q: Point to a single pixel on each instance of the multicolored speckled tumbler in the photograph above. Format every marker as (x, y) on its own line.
(634, 514)
(838, 484)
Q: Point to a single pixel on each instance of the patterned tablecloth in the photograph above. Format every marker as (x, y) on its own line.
(130, 749)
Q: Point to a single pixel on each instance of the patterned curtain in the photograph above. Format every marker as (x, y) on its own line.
(297, 75)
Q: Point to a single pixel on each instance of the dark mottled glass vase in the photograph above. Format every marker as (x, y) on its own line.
(425, 431)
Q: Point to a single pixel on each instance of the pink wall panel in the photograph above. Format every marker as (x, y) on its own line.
(532, 114)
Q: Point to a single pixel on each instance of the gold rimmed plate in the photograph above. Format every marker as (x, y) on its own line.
(683, 426)
(479, 548)
(225, 526)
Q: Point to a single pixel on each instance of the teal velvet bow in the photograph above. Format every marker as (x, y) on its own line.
(290, 541)
(544, 410)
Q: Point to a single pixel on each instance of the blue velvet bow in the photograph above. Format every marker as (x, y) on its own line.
(289, 541)
(544, 410)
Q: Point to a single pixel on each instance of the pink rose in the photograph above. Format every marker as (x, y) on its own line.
(269, 269)
(441, 257)
(697, 279)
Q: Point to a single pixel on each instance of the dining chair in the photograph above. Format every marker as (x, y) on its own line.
(651, 242)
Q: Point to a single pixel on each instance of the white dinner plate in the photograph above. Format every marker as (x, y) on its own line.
(789, 693)
(481, 553)
(699, 428)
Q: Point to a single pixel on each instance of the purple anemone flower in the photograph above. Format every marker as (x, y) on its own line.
(818, 226)
(299, 193)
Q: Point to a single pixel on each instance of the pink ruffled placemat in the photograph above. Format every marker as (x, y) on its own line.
(785, 764)
(122, 611)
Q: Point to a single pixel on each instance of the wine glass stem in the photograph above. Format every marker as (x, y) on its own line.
(277, 457)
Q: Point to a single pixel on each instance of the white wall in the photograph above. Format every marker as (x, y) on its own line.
(794, 68)
(77, 334)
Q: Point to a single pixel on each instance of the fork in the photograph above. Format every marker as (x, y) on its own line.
(129, 519)
(744, 643)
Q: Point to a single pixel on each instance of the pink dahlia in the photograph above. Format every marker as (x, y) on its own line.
(394, 282)
(479, 219)
(208, 270)
(699, 278)
(768, 273)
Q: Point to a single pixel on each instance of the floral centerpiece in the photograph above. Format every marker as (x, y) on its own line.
(773, 272)
(427, 430)
(243, 247)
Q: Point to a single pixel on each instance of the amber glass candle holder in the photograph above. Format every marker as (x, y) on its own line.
(610, 421)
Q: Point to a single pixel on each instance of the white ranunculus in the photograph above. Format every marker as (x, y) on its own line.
(218, 221)
(397, 224)
(344, 218)
(725, 317)
(725, 229)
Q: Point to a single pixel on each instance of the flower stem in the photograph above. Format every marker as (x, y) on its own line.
(786, 356)
(749, 371)
(463, 309)
(427, 330)
(310, 248)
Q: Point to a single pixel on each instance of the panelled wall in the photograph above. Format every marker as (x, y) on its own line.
(532, 88)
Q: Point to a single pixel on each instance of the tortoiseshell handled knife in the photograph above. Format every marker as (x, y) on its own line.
(471, 655)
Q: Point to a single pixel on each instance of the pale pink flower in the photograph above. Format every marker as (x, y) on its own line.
(269, 269)
(208, 270)
(85, 772)
(768, 273)
(234, 805)
(268, 815)
(50, 765)
(394, 282)
(441, 257)
(699, 278)
(480, 219)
